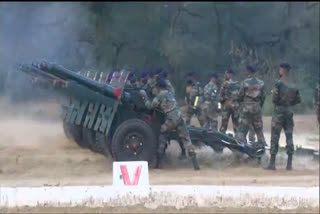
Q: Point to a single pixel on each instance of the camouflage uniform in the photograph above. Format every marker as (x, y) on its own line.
(191, 93)
(210, 106)
(139, 85)
(166, 102)
(251, 134)
(170, 88)
(283, 96)
(230, 105)
(251, 97)
(152, 85)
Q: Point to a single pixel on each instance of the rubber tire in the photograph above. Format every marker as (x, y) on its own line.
(89, 136)
(217, 148)
(76, 134)
(104, 142)
(150, 141)
(66, 129)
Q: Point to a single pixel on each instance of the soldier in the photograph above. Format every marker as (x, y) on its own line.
(316, 101)
(193, 99)
(251, 98)
(143, 79)
(164, 75)
(132, 80)
(251, 134)
(210, 105)
(228, 97)
(152, 82)
(284, 95)
(166, 102)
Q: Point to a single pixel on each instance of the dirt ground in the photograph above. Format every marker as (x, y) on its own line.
(35, 152)
(139, 209)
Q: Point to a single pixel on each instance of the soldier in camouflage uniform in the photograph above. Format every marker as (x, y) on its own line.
(251, 98)
(210, 105)
(164, 75)
(228, 97)
(142, 81)
(284, 95)
(251, 134)
(166, 102)
(152, 82)
(316, 101)
(193, 90)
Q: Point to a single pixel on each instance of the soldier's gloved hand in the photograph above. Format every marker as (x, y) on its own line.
(143, 94)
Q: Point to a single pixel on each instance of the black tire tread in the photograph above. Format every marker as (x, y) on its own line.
(138, 125)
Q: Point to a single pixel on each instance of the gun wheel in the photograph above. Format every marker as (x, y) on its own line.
(134, 140)
(89, 136)
(66, 129)
(103, 142)
(75, 132)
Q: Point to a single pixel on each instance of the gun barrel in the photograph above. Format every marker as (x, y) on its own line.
(66, 74)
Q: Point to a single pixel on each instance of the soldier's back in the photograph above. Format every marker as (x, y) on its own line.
(253, 89)
(211, 92)
(232, 91)
(170, 86)
(286, 94)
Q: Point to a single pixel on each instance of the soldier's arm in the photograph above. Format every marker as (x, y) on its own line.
(205, 90)
(221, 94)
(263, 95)
(153, 104)
(241, 93)
(275, 93)
(201, 91)
(298, 98)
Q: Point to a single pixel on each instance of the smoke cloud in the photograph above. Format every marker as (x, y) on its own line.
(38, 30)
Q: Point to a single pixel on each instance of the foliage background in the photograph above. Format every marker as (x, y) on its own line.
(203, 37)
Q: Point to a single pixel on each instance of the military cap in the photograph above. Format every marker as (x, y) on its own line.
(152, 72)
(164, 73)
(285, 66)
(157, 71)
(251, 68)
(131, 75)
(214, 75)
(144, 74)
(161, 83)
(230, 71)
(191, 74)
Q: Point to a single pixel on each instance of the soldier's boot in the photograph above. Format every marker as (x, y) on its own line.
(161, 151)
(183, 154)
(289, 162)
(158, 161)
(193, 157)
(272, 163)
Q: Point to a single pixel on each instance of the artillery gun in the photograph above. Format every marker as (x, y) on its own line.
(109, 118)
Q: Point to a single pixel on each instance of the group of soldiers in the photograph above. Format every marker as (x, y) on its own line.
(242, 101)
